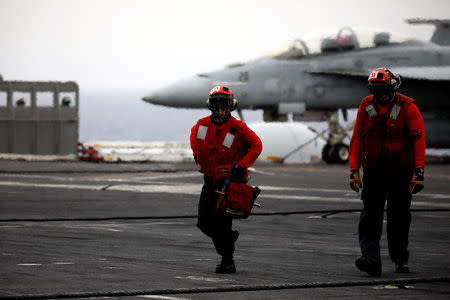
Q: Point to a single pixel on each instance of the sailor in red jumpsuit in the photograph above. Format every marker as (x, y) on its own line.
(389, 142)
(223, 148)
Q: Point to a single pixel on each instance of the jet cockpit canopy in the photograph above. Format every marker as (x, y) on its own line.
(343, 39)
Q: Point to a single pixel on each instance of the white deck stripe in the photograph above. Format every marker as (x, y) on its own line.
(187, 188)
(163, 297)
(51, 185)
(194, 189)
(105, 179)
(345, 200)
(203, 278)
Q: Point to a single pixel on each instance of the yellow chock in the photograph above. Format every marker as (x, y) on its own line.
(275, 159)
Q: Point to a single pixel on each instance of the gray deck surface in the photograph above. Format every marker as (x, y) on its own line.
(74, 229)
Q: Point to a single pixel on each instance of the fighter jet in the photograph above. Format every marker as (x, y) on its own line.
(313, 77)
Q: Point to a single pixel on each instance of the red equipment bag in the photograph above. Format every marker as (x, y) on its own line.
(236, 199)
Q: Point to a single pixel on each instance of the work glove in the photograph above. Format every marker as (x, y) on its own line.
(238, 173)
(417, 181)
(355, 180)
(199, 168)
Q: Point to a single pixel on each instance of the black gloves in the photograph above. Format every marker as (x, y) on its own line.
(417, 181)
(238, 173)
(415, 187)
(199, 168)
(355, 181)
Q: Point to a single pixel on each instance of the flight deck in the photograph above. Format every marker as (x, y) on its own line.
(128, 231)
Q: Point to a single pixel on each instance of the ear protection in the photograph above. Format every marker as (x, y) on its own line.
(396, 81)
(233, 105)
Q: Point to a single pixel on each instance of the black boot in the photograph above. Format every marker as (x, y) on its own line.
(401, 267)
(401, 264)
(235, 235)
(370, 265)
(226, 266)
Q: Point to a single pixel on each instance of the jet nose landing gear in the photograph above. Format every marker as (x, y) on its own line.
(335, 153)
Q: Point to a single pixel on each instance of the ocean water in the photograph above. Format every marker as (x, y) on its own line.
(123, 116)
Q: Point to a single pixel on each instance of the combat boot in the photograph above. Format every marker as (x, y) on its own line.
(370, 265)
(401, 267)
(226, 266)
(235, 235)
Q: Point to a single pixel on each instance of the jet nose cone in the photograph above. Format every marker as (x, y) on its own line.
(150, 98)
(189, 93)
(158, 97)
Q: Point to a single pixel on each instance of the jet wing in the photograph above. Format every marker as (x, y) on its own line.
(435, 73)
(341, 72)
(432, 73)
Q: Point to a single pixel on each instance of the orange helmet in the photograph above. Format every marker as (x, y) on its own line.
(221, 95)
(383, 76)
(220, 89)
(221, 102)
(382, 83)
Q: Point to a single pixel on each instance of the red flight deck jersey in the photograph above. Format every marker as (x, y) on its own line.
(218, 148)
(388, 135)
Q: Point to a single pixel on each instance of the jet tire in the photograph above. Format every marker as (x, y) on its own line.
(341, 153)
(327, 154)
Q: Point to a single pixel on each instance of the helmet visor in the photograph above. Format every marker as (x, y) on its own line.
(380, 89)
(220, 102)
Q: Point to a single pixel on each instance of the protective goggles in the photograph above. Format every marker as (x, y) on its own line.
(380, 89)
(221, 102)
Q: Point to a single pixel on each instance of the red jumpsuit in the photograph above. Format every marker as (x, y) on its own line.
(217, 149)
(391, 135)
(389, 142)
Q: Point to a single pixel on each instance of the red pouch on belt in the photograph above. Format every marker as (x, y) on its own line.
(236, 199)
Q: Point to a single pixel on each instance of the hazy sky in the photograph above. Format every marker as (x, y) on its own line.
(142, 45)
